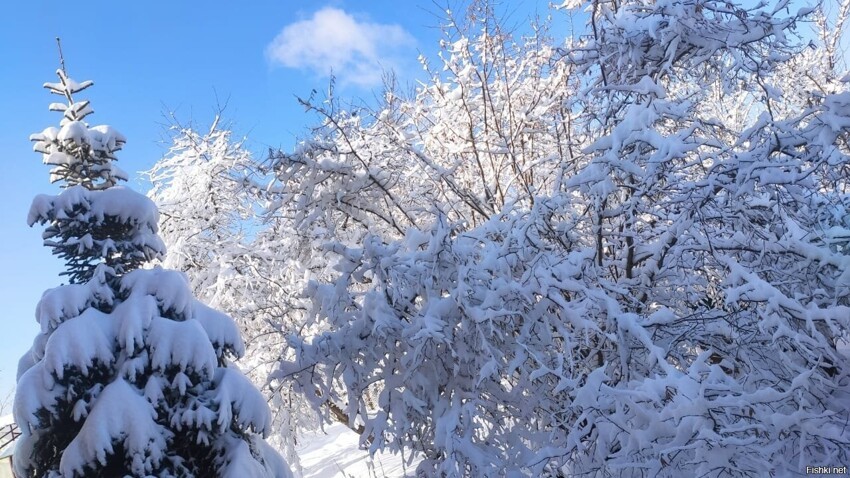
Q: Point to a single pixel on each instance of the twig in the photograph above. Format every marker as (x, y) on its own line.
(61, 57)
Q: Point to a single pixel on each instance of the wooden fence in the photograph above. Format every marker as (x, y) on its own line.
(8, 434)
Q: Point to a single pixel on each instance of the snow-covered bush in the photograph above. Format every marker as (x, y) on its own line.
(130, 375)
(596, 273)
(622, 255)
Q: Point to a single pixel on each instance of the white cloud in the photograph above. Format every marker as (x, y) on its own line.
(333, 40)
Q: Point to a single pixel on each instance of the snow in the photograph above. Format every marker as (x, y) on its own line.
(182, 344)
(81, 342)
(73, 131)
(36, 391)
(123, 203)
(120, 415)
(67, 85)
(237, 398)
(43, 142)
(168, 287)
(241, 460)
(221, 329)
(117, 202)
(335, 453)
(272, 459)
(58, 158)
(60, 303)
(105, 137)
(136, 314)
(77, 111)
(63, 147)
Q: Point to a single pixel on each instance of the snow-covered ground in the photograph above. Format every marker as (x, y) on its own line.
(334, 454)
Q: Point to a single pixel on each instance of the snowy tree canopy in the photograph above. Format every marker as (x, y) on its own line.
(623, 255)
(130, 375)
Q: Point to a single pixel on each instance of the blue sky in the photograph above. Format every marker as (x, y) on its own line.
(152, 58)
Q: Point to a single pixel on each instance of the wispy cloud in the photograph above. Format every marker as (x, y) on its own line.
(332, 40)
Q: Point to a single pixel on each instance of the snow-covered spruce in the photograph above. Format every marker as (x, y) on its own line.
(130, 374)
(121, 234)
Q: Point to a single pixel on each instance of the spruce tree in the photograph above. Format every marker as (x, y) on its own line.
(130, 375)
